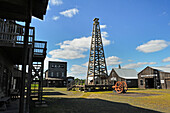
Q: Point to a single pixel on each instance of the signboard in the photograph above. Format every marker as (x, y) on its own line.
(113, 78)
(149, 75)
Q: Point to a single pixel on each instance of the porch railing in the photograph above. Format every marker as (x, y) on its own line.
(13, 33)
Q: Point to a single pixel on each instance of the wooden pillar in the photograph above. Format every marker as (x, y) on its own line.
(29, 81)
(41, 83)
(25, 54)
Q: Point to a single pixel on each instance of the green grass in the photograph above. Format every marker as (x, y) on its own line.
(153, 99)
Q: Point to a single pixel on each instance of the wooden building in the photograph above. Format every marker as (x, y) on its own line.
(154, 77)
(21, 10)
(122, 74)
(56, 75)
(11, 49)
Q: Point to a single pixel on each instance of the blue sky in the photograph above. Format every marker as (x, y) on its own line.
(135, 33)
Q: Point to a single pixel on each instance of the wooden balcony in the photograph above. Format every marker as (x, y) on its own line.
(12, 42)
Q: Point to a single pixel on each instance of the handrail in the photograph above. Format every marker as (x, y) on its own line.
(74, 83)
(11, 32)
(40, 48)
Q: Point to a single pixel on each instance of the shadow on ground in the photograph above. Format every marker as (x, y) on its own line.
(82, 105)
(53, 93)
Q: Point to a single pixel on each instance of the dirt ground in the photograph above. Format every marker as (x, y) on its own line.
(134, 101)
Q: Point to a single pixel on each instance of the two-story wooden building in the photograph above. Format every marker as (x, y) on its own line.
(56, 75)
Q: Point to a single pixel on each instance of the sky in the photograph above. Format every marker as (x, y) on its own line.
(135, 33)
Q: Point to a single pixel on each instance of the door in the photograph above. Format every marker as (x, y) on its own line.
(149, 83)
(167, 84)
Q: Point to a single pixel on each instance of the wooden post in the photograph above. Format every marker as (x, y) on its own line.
(41, 79)
(29, 81)
(25, 54)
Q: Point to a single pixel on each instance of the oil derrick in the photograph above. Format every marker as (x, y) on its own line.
(97, 70)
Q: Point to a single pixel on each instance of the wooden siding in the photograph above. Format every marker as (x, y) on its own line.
(114, 77)
(150, 71)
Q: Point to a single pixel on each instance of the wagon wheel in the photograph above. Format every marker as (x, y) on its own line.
(118, 87)
(124, 85)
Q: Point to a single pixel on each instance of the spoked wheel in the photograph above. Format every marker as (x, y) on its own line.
(119, 87)
(124, 85)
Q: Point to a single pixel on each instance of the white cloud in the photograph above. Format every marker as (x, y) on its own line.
(168, 66)
(86, 64)
(166, 59)
(110, 61)
(56, 2)
(139, 64)
(70, 13)
(78, 71)
(164, 13)
(130, 60)
(153, 46)
(108, 71)
(47, 59)
(55, 17)
(103, 26)
(72, 49)
(81, 72)
(113, 60)
(104, 34)
(67, 54)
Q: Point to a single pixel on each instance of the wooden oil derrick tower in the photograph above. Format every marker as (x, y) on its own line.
(97, 69)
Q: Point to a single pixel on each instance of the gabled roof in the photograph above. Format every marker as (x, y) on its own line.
(126, 73)
(163, 69)
(16, 9)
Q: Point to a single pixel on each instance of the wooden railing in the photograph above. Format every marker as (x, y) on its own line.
(12, 33)
(40, 48)
(75, 83)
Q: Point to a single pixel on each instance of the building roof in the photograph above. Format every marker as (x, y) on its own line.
(163, 69)
(57, 62)
(126, 73)
(16, 9)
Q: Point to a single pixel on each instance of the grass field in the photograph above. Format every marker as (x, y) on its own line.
(134, 101)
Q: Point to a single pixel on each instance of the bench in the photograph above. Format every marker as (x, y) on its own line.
(3, 102)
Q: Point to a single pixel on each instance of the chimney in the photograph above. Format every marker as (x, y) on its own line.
(119, 66)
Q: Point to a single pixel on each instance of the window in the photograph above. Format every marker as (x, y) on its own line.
(52, 74)
(61, 66)
(57, 74)
(52, 66)
(128, 81)
(62, 74)
(141, 82)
